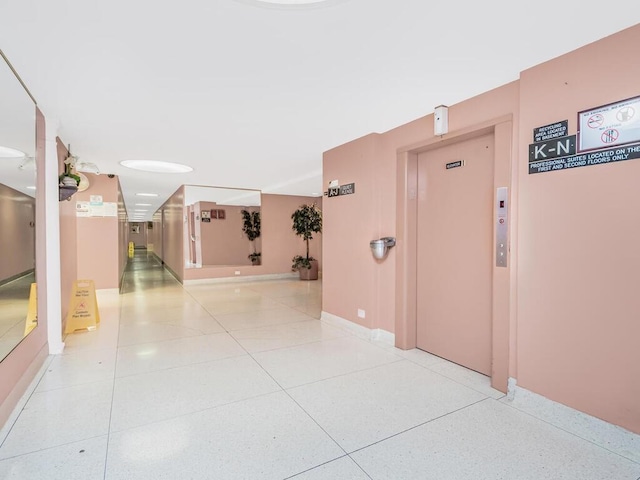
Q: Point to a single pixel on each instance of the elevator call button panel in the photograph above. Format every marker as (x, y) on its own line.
(502, 226)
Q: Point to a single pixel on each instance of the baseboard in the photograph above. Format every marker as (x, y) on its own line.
(240, 278)
(606, 435)
(376, 334)
(16, 277)
(173, 274)
(107, 290)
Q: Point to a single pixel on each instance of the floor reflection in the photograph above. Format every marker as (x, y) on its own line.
(144, 272)
(14, 305)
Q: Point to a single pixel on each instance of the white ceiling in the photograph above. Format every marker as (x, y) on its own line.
(250, 96)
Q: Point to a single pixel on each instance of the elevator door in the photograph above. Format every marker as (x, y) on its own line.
(454, 258)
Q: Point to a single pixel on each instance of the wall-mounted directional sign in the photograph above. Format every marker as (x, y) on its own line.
(587, 159)
(548, 132)
(556, 147)
(348, 189)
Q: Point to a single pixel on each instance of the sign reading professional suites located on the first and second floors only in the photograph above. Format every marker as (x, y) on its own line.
(606, 134)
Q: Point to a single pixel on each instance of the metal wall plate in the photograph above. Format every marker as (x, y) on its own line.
(502, 226)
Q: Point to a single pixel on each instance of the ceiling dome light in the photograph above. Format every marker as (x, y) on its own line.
(156, 166)
(291, 3)
(6, 152)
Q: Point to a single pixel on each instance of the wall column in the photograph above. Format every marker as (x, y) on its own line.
(52, 242)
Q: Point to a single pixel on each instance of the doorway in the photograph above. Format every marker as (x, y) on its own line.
(454, 252)
(454, 267)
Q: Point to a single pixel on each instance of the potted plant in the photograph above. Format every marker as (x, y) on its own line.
(68, 181)
(69, 178)
(307, 220)
(251, 228)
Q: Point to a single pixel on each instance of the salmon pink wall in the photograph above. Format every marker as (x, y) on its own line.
(172, 233)
(352, 221)
(123, 244)
(17, 242)
(89, 246)
(279, 242)
(98, 241)
(579, 262)
(154, 235)
(222, 240)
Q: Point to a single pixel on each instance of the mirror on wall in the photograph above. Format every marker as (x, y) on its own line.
(17, 210)
(222, 227)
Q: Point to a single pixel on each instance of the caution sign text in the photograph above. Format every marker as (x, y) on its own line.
(83, 307)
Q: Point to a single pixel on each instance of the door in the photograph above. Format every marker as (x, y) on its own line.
(455, 255)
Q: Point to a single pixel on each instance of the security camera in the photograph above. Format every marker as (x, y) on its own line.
(110, 175)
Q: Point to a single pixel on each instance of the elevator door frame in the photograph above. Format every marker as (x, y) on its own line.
(502, 365)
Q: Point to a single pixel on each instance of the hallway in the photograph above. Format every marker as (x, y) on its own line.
(243, 381)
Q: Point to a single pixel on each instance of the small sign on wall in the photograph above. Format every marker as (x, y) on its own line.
(348, 189)
(218, 214)
(102, 209)
(205, 215)
(613, 124)
(606, 134)
(548, 132)
(587, 159)
(556, 147)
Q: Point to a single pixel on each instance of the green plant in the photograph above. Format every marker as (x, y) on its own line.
(301, 262)
(251, 228)
(69, 169)
(307, 220)
(71, 175)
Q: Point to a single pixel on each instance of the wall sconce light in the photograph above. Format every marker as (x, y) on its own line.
(441, 120)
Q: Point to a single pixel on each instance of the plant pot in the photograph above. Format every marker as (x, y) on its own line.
(309, 273)
(69, 182)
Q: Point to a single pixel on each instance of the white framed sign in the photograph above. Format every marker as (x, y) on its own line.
(609, 125)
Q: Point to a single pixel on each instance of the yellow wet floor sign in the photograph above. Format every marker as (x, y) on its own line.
(83, 307)
(32, 314)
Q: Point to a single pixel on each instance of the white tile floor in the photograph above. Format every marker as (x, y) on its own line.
(243, 381)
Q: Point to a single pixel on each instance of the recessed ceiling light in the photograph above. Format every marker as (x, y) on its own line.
(7, 152)
(156, 166)
(141, 210)
(147, 194)
(292, 2)
(31, 187)
(143, 204)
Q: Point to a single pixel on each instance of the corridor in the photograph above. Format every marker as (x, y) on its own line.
(243, 381)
